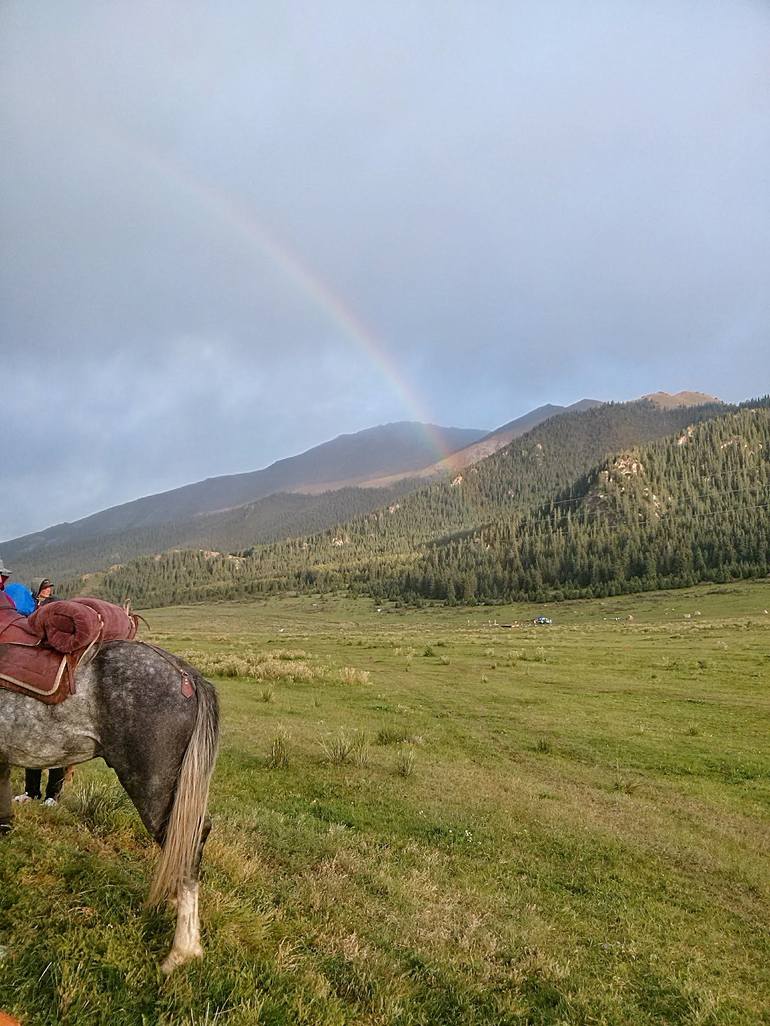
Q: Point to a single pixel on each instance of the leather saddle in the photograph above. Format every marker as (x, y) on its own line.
(39, 654)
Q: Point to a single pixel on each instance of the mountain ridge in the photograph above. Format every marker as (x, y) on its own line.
(365, 553)
(311, 503)
(403, 445)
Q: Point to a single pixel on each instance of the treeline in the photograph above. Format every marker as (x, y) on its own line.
(549, 516)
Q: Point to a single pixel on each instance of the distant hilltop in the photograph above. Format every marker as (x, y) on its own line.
(667, 401)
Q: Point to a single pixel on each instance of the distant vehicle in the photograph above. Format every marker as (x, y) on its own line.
(540, 620)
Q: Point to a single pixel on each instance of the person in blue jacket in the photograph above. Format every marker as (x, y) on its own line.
(21, 597)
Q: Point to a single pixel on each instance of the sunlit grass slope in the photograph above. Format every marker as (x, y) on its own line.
(428, 818)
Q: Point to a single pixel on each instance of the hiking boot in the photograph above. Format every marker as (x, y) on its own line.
(22, 799)
(50, 802)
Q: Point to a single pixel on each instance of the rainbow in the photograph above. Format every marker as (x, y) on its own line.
(308, 282)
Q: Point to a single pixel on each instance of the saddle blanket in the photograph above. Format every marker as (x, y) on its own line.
(39, 654)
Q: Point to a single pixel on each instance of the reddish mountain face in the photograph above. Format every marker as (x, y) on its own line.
(490, 443)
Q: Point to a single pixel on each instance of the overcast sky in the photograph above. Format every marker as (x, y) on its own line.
(229, 232)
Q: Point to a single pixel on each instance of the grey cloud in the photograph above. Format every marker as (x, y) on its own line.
(520, 203)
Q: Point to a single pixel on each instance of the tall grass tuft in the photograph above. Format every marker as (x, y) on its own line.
(405, 761)
(350, 675)
(279, 665)
(346, 747)
(623, 783)
(99, 806)
(279, 751)
(390, 734)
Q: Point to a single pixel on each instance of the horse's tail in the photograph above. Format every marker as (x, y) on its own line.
(187, 820)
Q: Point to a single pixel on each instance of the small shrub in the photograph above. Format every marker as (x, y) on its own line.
(405, 761)
(543, 745)
(267, 694)
(489, 653)
(429, 651)
(279, 751)
(692, 731)
(484, 679)
(444, 660)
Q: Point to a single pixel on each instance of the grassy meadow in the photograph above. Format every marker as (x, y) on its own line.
(424, 817)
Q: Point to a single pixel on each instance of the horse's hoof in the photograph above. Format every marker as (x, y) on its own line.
(176, 958)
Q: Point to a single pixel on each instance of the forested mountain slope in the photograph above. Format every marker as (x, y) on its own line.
(375, 550)
(689, 508)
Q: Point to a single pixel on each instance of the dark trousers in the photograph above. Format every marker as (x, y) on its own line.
(33, 778)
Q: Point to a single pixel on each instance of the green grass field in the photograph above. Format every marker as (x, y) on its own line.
(422, 817)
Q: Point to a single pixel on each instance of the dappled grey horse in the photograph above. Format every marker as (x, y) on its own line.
(154, 719)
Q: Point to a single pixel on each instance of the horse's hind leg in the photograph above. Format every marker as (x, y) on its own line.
(187, 936)
(153, 793)
(159, 731)
(6, 811)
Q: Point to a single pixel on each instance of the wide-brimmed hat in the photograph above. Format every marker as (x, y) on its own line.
(39, 584)
(4, 571)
